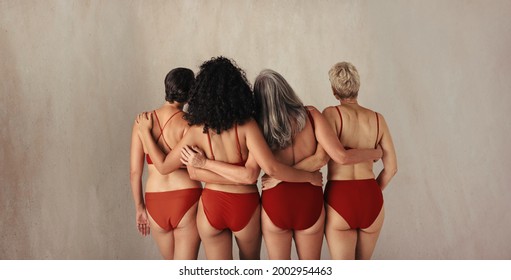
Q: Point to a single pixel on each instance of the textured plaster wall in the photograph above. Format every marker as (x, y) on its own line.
(75, 73)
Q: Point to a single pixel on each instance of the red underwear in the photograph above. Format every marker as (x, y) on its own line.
(226, 210)
(168, 208)
(358, 201)
(295, 206)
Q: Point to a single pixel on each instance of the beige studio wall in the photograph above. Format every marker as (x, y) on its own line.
(75, 73)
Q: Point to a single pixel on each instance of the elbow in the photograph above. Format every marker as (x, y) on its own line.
(323, 160)
(391, 171)
(251, 178)
(192, 175)
(135, 175)
(162, 170)
(271, 171)
(341, 158)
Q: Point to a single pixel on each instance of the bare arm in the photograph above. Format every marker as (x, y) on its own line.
(165, 164)
(260, 155)
(315, 161)
(265, 159)
(207, 176)
(194, 157)
(324, 130)
(389, 158)
(136, 170)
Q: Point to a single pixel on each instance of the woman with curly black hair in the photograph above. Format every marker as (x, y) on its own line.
(291, 210)
(221, 117)
(170, 207)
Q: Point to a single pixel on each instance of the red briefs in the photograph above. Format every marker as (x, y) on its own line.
(295, 206)
(168, 208)
(358, 201)
(226, 210)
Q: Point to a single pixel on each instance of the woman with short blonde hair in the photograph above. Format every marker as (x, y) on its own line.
(353, 194)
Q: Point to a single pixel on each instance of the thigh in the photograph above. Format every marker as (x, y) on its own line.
(186, 236)
(278, 241)
(341, 239)
(217, 243)
(309, 241)
(368, 237)
(164, 239)
(249, 238)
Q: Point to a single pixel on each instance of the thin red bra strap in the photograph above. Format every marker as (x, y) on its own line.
(340, 116)
(170, 119)
(162, 128)
(312, 120)
(377, 130)
(238, 142)
(210, 147)
(158, 121)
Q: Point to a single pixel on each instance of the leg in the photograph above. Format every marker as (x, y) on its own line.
(309, 241)
(278, 241)
(164, 239)
(341, 239)
(249, 238)
(186, 236)
(367, 238)
(217, 243)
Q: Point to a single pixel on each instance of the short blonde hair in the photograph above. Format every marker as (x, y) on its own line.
(345, 80)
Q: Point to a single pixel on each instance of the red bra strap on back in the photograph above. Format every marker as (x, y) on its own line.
(311, 119)
(238, 142)
(159, 125)
(210, 147)
(377, 130)
(340, 116)
(162, 128)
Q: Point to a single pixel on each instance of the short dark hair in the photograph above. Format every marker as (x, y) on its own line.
(178, 83)
(221, 96)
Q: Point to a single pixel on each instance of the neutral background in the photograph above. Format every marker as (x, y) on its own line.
(75, 73)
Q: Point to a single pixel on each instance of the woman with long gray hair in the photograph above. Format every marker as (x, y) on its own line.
(292, 131)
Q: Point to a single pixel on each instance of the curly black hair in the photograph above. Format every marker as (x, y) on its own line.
(221, 96)
(178, 83)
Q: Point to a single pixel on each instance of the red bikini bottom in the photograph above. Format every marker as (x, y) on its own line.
(168, 208)
(358, 201)
(225, 210)
(295, 206)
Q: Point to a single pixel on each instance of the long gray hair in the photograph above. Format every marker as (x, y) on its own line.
(280, 112)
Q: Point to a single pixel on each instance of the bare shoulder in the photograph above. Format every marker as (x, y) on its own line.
(248, 127)
(331, 113)
(329, 110)
(382, 120)
(249, 124)
(311, 108)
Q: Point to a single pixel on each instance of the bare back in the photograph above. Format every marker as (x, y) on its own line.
(168, 129)
(357, 128)
(228, 146)
(304, 145)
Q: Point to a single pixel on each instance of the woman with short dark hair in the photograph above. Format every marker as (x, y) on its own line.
(170, 206)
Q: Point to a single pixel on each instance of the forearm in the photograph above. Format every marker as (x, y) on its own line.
(384, 177)
(311, 164)
(286, 173)
(360, 155)
(137, 191)
(314, 162)
(157, 156)
(232, 173)
(207, 176)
